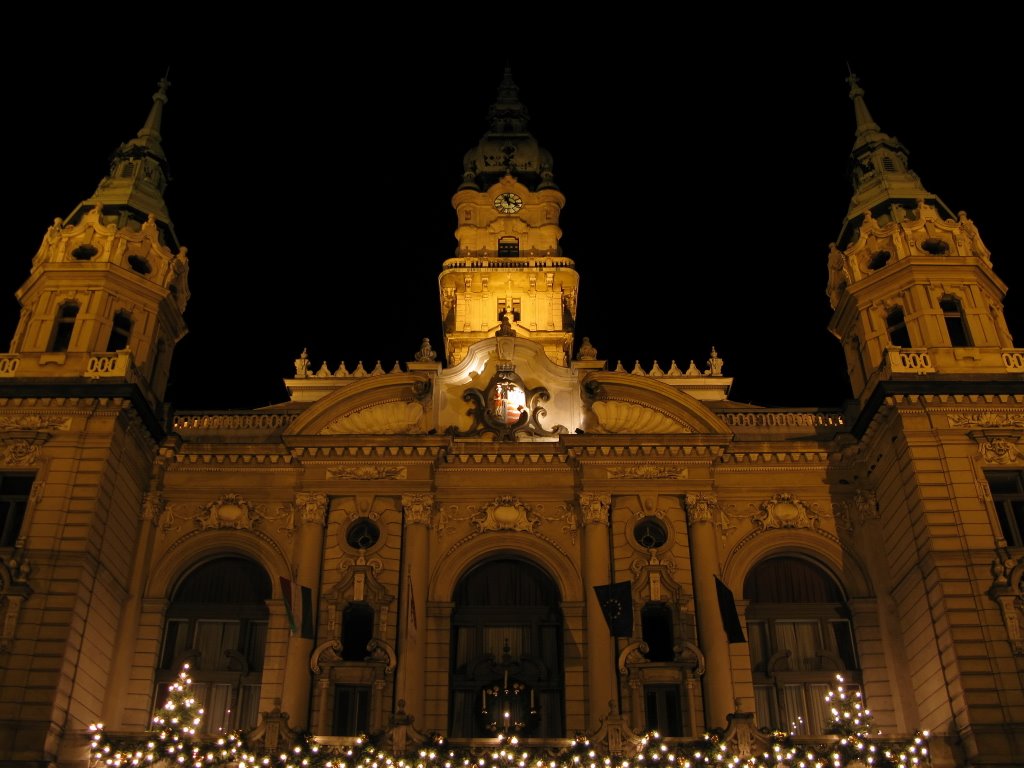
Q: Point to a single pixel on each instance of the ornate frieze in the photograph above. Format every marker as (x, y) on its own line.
(418, 508)
(372, 472)
(231, 511)
(784, 510)
(312, 507)
(34, 423)
(648, 472)
(987, 419)
(594, 508)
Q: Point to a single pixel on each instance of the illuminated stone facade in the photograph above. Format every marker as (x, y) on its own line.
(447, 525)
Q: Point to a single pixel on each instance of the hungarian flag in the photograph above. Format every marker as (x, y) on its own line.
(298, 600)
(616, 602)
(730, 617)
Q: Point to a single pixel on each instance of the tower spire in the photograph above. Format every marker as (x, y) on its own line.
(884, 186)
(133, 191)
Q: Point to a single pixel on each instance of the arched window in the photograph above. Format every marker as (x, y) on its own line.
(64, 327)
(506, 637)
(120, 332)
(956, 326)
(800, 636)
(896, 325)
(217, 621)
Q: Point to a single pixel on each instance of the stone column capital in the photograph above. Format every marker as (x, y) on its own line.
(418, 508)
(595, 507)
(312, 507)
(701, 507)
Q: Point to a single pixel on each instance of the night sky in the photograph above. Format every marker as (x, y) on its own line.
(702, 192)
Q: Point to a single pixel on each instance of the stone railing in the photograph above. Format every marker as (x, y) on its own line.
(230, 421)
(9, 364)
(906, 360)
(111, 364)
(771, 419)
(1013, 359)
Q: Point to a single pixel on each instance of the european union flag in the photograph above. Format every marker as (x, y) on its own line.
(616, 602)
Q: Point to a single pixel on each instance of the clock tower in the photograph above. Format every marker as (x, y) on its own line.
(508, 273)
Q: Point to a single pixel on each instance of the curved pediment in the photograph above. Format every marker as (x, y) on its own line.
(391, 404)
(621, 403)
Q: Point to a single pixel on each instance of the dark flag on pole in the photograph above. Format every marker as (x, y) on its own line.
(730, 618)
(616, 602)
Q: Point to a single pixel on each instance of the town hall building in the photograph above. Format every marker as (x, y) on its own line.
(521, 539)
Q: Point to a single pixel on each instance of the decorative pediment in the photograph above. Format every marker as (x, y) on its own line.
(644, 405)
(384, 419)
(376, 405)
(616, 417)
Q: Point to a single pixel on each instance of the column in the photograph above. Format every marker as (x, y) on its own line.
(411, 675)
(718, 694)
(597, 571)
(311, 514)
(127, 630)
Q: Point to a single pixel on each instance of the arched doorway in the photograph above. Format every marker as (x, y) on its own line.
(800, 635)
(217, 622)
(506, 653)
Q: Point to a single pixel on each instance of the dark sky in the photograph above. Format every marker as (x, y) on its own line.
(702, 190)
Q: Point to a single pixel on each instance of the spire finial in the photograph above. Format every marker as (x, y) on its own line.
(150, 132)
(866, 126)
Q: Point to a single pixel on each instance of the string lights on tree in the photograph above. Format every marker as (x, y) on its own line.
(176, 740)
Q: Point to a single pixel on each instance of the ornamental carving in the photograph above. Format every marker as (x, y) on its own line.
(999, 450)
(14, 590)
(1006, 591)
(367, 473)
(704, 508)
(312, 507)
(615, 417)
(34, 423)
(594, 508)
(987, 419)
(384, 419)
(649, 472)
(506, 408)
(784, 510)
(418, 508)
(19, 453)
(152, 507)
(234, 512)
(857, 510)
(505, 513)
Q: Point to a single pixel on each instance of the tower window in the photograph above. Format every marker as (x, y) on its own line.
(508, 246)
(935, 247)
(120, 332)
(84, 252)
(127, 170)
(515, 310)
(888, 165)
(956, 327)
(64, 327)
(139, 264)
(14, 491)
(879, 260)
(896, 325)
(1008, 497)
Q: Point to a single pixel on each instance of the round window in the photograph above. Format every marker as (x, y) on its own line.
(362, 534)
(650, 533)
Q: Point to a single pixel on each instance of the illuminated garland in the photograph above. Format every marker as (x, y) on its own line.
(174, 741)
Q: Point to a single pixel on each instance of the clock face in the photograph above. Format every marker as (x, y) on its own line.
(508, 202)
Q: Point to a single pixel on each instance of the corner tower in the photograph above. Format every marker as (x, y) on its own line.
(108, 286)
(911, 283)
(508, 264)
